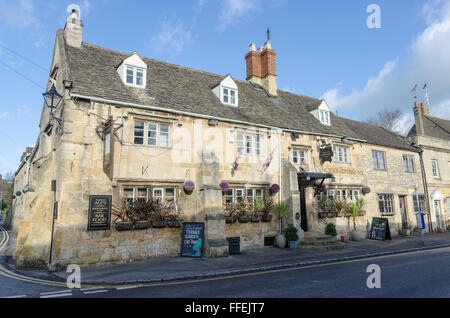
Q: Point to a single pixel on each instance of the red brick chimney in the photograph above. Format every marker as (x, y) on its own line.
(419, 112)
(261, 68)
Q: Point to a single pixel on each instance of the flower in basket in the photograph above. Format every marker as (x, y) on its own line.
(323, 188)
(189, 186)
(365, 190)
(224, 186)
(275, 188)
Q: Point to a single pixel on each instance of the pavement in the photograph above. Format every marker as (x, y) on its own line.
(174, 269)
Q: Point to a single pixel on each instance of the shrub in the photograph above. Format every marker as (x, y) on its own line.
(331, 230)
(292, 233)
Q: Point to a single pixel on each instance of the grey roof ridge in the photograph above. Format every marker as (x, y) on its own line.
(400, 137)
(437, 124)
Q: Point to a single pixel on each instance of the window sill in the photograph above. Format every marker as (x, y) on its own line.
(388, 214)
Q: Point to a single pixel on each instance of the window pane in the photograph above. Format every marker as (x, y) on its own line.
(258, 145)
(240, 144)
(139, 77)
(138, 133)
(233, 97)
(239, 195)
(152, 134)
(225, 95)
(130, 75)
(295, 156)
(158, 195)
(170, 196)
(249, 145)
(128, 194)
(164, 136)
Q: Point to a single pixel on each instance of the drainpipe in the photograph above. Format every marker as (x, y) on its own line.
(280, 171)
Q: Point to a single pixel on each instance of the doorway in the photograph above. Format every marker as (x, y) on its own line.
(403, 211)
(303, 214)
(440, 220)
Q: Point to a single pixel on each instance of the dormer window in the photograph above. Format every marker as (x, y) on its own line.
(324, 117)
(321, 112)
(133, 71)
(229, 96)
(227, 92)
(135, 76)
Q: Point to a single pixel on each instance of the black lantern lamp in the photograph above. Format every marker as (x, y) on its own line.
(52, 99)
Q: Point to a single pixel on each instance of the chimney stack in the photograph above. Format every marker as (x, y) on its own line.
(261, 68)
(73, 30)
(419, 112)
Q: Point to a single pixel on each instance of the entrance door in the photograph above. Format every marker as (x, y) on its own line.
(439, 217)
(403, 211)
(304, 218)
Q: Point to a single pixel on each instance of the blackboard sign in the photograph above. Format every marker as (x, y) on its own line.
(192, 240)
(99, 212)
(380, 230)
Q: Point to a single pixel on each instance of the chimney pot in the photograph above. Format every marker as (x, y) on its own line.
(253, 47)
(73, 30)
(261, 68)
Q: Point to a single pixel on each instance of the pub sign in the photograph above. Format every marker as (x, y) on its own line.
(99, 212)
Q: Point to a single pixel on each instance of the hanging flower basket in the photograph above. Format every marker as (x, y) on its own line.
(365, 190)
(13, 197)
(18, 193)
(189, 187)
(323, 188)
(224, 186)
(274, 189)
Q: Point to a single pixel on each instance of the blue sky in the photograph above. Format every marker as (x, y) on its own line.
(325, 49)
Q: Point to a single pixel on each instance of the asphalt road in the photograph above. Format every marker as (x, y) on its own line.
(423, 274)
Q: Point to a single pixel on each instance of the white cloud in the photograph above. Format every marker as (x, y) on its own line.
(172, 38)
(18, 14)
(3, 115)
(429, 62)
(233, 10)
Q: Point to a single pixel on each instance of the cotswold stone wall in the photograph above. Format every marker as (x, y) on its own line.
(76, 246)
(252, 234)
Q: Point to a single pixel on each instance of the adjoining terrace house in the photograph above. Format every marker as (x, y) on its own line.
(432, 135)
(137, 129)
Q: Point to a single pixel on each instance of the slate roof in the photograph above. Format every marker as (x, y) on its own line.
(378, 135)
(93, 71)
(434, 127)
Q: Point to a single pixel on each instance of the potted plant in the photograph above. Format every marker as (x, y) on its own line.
(292, 236)
(189, 187)
(174, 220)
(331, 230)
(243, 213)
(354, 208)
(231, 214)
(280, 239)
(274, 189)
(122, 221)
(141, 214)
(267, 208)
(365, 190)
(224, 186)
(258, 208)
(159, 217)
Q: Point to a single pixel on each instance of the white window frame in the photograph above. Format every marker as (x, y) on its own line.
(388, 202)
(135, 70)
(226, 92)
(147, 130)
(324, 117)
(139, 129)
(376, 160)
(435, 168)
(409, 164)
(341, 154)
(297, 158)
(249, 144)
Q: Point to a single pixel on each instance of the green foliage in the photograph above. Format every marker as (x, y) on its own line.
(331, 229)
(291, 233)
(282, 208)
(3, 205)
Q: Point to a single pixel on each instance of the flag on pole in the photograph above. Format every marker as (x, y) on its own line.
(414, 88)
(427, 98)
(236, 164)
(266, 165)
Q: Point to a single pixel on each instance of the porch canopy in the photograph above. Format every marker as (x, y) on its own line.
(312, 179)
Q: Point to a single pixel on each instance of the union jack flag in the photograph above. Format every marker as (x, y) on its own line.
(266, 165)
(236, 164)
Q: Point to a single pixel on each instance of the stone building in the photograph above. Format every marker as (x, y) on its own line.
(134, 128)
(432, 135)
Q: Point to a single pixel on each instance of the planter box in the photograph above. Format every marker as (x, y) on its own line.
(255, 218)
(159, 224)
(293, 244)
(174, 223)
(142, 225)
(243, 219)
(267, 218)
(124, 226)
(230, 220)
